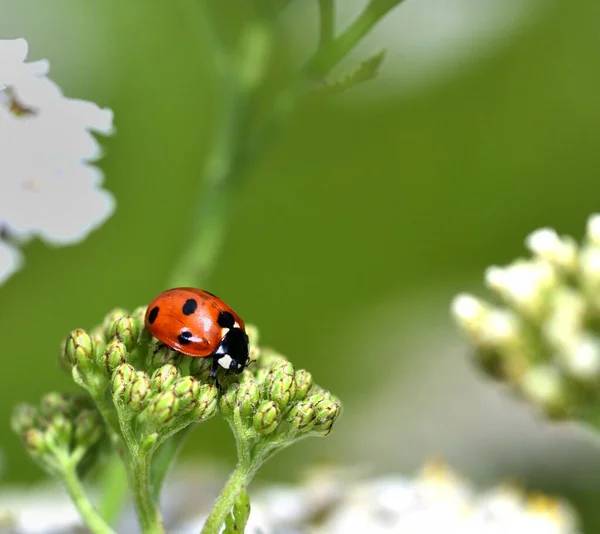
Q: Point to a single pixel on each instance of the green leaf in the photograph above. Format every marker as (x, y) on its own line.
(365, 71)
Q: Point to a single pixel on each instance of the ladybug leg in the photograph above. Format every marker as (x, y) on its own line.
(213, 374)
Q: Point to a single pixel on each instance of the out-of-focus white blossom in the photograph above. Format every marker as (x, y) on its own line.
(48, 188)
(331, 501)
(559, 251)
(437, 500)
(551, 354)
(523, 283)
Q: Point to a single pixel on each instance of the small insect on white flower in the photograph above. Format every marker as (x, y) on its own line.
(48, 187)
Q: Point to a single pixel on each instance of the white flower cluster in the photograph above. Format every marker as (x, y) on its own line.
(331, 501)
(436, 501)
(48, 188)
(544, 339)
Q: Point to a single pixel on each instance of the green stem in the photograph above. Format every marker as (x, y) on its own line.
(147, 510)
(77, 493)
(114, 486)
(326, 22)
(238, 481)
(208, 229)
(329, 56)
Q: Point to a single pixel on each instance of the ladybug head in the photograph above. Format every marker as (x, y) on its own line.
(233, 352)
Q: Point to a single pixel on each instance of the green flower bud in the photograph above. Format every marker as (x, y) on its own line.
(122, 378)
(280, 383)
(260, 375)
(113, 355)
(138, 391)
(304, 383)
(59, 430)
(98, 339)
(205, 405)
(186, 390)
(35, 442)
(247, 397)
(24, 417)
(266, 418)
(54, 402)
(200, 368)
(108, 324)
(79, 350)
(125, 329)
(139, 316)
(163, 408)
(268, 357)
(302, 416)
(163, 378)
(149, 442)
(88, 428)
(161, 355)
(227, 402)
(327, 412)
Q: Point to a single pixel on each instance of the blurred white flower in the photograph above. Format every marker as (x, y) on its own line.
(48, 187)
(437, 500)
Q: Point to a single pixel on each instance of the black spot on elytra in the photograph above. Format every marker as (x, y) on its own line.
(185, 337)
(153, 314)
(189, 307)
(226, 320)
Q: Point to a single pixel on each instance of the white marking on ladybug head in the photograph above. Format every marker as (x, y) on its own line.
(225, 361)
(236, 325)
(224, 332)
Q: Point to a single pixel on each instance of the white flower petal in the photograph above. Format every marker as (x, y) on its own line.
(48, 189)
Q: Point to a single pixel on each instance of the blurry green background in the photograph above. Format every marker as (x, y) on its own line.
(361, 201)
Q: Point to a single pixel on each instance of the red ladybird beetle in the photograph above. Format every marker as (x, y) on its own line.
(199, 324)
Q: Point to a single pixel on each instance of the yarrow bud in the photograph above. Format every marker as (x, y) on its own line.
(125, 330)
(111, 319)
(113, 356)
(186, 390)
(280, 383)
(248, 396)
(205, 405)
(79, 350)
(266, 418)
(304, 382)
(164, 377)
(122, 378)
(138, 391)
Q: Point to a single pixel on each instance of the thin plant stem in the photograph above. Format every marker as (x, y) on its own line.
(327, 57)
(90, 516)
(326, 22)
(147, 510)
(238, 481)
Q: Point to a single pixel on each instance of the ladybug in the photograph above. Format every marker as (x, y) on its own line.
(199, 324)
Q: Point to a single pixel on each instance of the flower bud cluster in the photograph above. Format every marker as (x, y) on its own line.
(62, 427)
(543, 338)
(93, 356)
(276, 399)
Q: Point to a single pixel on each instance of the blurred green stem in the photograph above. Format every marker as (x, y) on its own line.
(326, 22)
(87, 511)
(329, 56)
(217, 185)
